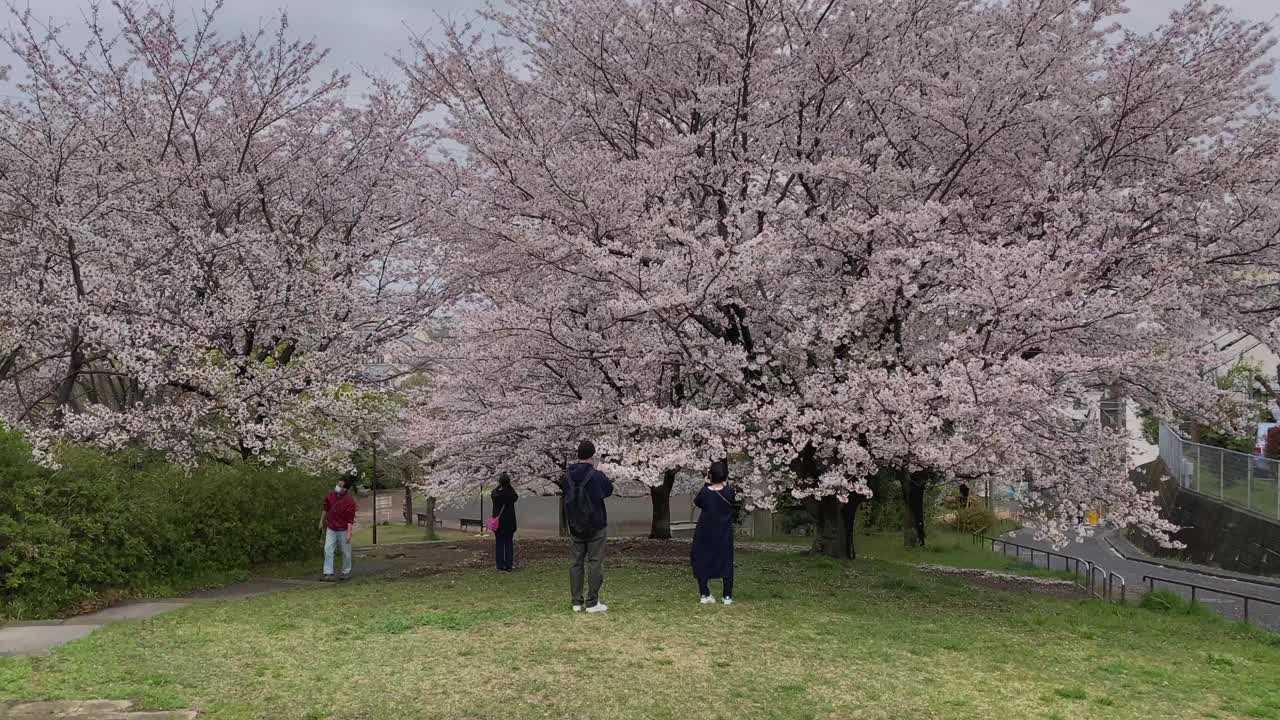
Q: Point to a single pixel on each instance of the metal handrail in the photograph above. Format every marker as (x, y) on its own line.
(1151, 581)
(1092, 570)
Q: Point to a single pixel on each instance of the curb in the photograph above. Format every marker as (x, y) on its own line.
(1183, 567)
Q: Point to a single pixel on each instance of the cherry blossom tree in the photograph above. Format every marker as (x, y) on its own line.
(203, 239)
(883, 236)
(514, 391)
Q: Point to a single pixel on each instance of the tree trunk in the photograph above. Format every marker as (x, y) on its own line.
(660, 497)
(913, 487)
(835, 527)
(849, 514)
(431, 518)
(408, 506)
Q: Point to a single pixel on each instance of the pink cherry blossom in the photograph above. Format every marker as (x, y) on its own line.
(204, 239)
(835, 239)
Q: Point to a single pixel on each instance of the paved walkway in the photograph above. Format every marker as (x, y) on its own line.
(87, 710)
(38, 638)
(1105, 551)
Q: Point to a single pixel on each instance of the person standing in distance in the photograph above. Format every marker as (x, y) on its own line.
(504, 510)
(338, 520)
(585, 489)
(711, 554)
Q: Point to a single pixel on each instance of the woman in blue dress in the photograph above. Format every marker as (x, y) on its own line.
(712, 551)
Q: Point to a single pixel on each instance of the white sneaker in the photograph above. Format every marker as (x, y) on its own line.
(727, 601)
(577, 608)
(707, 600)
(598, 608)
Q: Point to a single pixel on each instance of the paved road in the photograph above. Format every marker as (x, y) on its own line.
(1097, 550)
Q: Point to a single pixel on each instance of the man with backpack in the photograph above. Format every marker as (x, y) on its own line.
(585, 489)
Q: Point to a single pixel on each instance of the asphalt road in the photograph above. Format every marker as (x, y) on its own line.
(1216, 592)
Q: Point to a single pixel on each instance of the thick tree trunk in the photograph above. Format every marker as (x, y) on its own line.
(408, 506)
(660, 497)
(913, 487)
(849, 514)
(430, 510)
(835, 527)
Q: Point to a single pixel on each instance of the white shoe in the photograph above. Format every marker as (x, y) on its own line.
(577, 608)
(598, 608)
(707, 600)
(727, 601)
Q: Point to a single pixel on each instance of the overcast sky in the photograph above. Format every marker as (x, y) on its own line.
(369, 32)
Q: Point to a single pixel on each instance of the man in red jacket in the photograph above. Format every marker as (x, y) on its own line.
(337, 521)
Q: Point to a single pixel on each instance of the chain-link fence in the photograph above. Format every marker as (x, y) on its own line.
(1249, 481)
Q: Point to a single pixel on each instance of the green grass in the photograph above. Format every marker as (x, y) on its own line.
(401, 533)
(809, 638)
(947, 547)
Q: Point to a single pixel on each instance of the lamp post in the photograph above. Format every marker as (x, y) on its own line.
(374, 442)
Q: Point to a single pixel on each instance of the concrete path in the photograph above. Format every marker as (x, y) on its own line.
(87, 710)
(1134, 568)
(38, 638)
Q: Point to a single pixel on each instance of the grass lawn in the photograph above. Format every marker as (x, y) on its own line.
(808, 638)
(947, 547)
(401, 533)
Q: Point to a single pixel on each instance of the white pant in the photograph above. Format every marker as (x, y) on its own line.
(336, 537)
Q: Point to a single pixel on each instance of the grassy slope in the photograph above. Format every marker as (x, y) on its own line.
(809, 638)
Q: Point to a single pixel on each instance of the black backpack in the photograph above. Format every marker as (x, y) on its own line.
(577, 506)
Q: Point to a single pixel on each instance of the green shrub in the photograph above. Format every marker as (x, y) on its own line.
(1150, 426)
(125, 522)
(883, 511)
(974, 518)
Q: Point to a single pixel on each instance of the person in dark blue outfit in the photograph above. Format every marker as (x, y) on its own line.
(712, 551)
(583, 482)
(504, 509)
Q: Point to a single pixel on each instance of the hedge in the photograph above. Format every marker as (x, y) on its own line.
(121, 523)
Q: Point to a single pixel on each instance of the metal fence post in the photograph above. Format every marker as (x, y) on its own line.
(1249, 476)
(1197, 468)
(1222, 475)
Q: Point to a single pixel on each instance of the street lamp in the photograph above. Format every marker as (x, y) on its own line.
(374, 442)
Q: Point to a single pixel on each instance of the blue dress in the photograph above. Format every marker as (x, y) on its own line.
(712, 551)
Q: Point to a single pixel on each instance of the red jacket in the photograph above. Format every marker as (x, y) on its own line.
(339, 511)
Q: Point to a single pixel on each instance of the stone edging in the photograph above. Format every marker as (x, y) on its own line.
(1031, 579)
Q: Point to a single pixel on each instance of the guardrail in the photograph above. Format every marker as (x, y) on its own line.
(1070, 563)
(1151, 581)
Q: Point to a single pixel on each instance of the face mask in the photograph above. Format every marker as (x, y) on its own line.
(339, 489)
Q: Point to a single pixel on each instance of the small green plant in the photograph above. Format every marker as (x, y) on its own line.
(972, 519)
(1071, 693)
(1167, 601)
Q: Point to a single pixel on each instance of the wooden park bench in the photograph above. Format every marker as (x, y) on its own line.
(422, 520)
(679, 528)
(464, 523)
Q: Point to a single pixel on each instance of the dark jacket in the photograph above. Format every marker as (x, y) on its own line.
(711, 553)
(504, 508)
(598, 487)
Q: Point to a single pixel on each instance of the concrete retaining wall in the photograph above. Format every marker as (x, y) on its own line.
(1215, 533)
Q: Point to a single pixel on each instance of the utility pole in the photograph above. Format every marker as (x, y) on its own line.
(374, 442)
